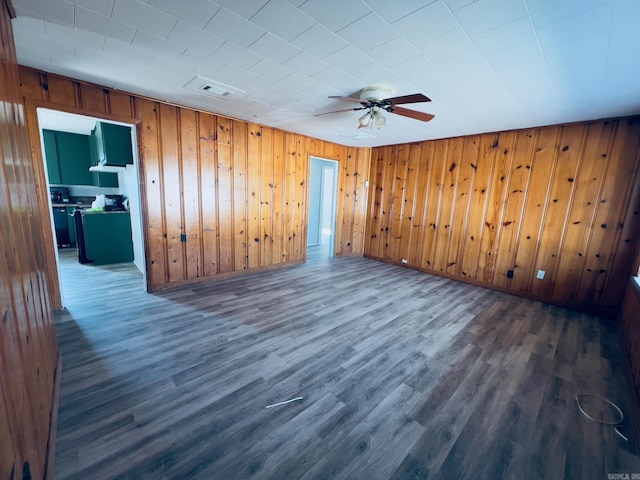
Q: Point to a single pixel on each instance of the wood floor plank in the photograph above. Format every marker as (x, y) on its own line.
(404, 376)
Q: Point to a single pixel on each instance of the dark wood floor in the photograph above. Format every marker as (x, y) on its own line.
(404, 376)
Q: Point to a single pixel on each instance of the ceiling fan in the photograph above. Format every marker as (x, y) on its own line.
(376, 99)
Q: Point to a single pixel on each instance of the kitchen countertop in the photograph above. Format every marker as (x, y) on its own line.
(69, 204)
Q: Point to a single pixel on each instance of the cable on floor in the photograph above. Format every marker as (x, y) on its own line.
(617, 424)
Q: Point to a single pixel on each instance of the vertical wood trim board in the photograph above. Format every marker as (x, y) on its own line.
(563, 199)
(28, 346)
(237, 190)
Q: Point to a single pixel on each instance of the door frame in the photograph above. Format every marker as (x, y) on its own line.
(43, 199)
(335, 165)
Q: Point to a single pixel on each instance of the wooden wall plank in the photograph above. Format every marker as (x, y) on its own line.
(460, 217)
(396, 213)
(559, 206)
(154, 231)
(279, 184)
(254, 175)
(266, 198)
(239, 153)
(225, 196)
(517, 188)
(289, 196)
(533, 199)
(300, 204)
(93, 98)
(360, 194)
(119, 103)
(28, 347)
(208, 188)
(191, 194)
(172, 192)
(542, 167)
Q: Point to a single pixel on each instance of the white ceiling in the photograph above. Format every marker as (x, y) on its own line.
(487, 64)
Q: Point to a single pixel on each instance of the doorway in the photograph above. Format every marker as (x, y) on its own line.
(76, 187)
(323, 192)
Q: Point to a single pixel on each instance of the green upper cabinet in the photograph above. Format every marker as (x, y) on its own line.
(51, 154)
(100, 179)
(114, 144)
(73, 158)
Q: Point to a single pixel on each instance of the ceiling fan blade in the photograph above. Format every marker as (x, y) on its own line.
(335, 111)
(415, 98)
(346, 99)
(405, 112)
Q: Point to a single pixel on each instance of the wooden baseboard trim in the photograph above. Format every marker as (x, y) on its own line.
(49, 461)
(568, 306)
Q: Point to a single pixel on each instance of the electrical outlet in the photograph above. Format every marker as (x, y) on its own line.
(540, 274)
(183, 237)
(404, 260)
(510, 274)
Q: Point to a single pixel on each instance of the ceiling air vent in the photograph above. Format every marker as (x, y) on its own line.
(210, 87)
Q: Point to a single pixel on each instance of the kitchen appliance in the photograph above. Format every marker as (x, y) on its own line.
(61, 224)
(59, 195)
(113, 203)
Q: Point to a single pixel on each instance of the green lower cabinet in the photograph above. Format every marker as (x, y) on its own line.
(107, 237)
(72, 226)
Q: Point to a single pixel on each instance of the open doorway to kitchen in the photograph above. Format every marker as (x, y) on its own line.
(91, 166)
(323, 193)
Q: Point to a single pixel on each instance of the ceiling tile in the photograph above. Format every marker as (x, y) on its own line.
(31, 52)
(274, 48)
(514, 56)
(624, 21)
(414, 68)
(298, 81)
(199, 12)
(544, 12)
(348, 59)
(192, 59)
(579, 27)
(368, 32)
(468, 64)
(429, 22)
(282, 19)
(334, 78)
(245, 8)
(74, 35)
(157, 45)
(447, 45)
(233, 54)
(485, 15)
(92, 21)
(143, 17)
(103, 7)
(306, 63)
(234, 28)
(458, 4)
(392, 11)
(195, 38)
(518, 32)
(128, 52)
(325, 12)
(372, 74)
(59, 10)
(396, 50)
(319, 41)
(269, 69)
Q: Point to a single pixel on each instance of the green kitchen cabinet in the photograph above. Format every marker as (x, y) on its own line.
(107, 237)
(100, 179)
(51, 157)
(71, 225)
(73, 158)
(114, 144)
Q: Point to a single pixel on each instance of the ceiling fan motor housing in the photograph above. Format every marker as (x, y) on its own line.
(374, 94)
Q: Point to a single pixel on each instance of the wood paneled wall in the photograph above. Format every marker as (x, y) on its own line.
(28, 347)
(558, 199)
(237, 190)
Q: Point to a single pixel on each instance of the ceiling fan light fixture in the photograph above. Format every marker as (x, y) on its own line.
(365, 120)
(380, 120)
